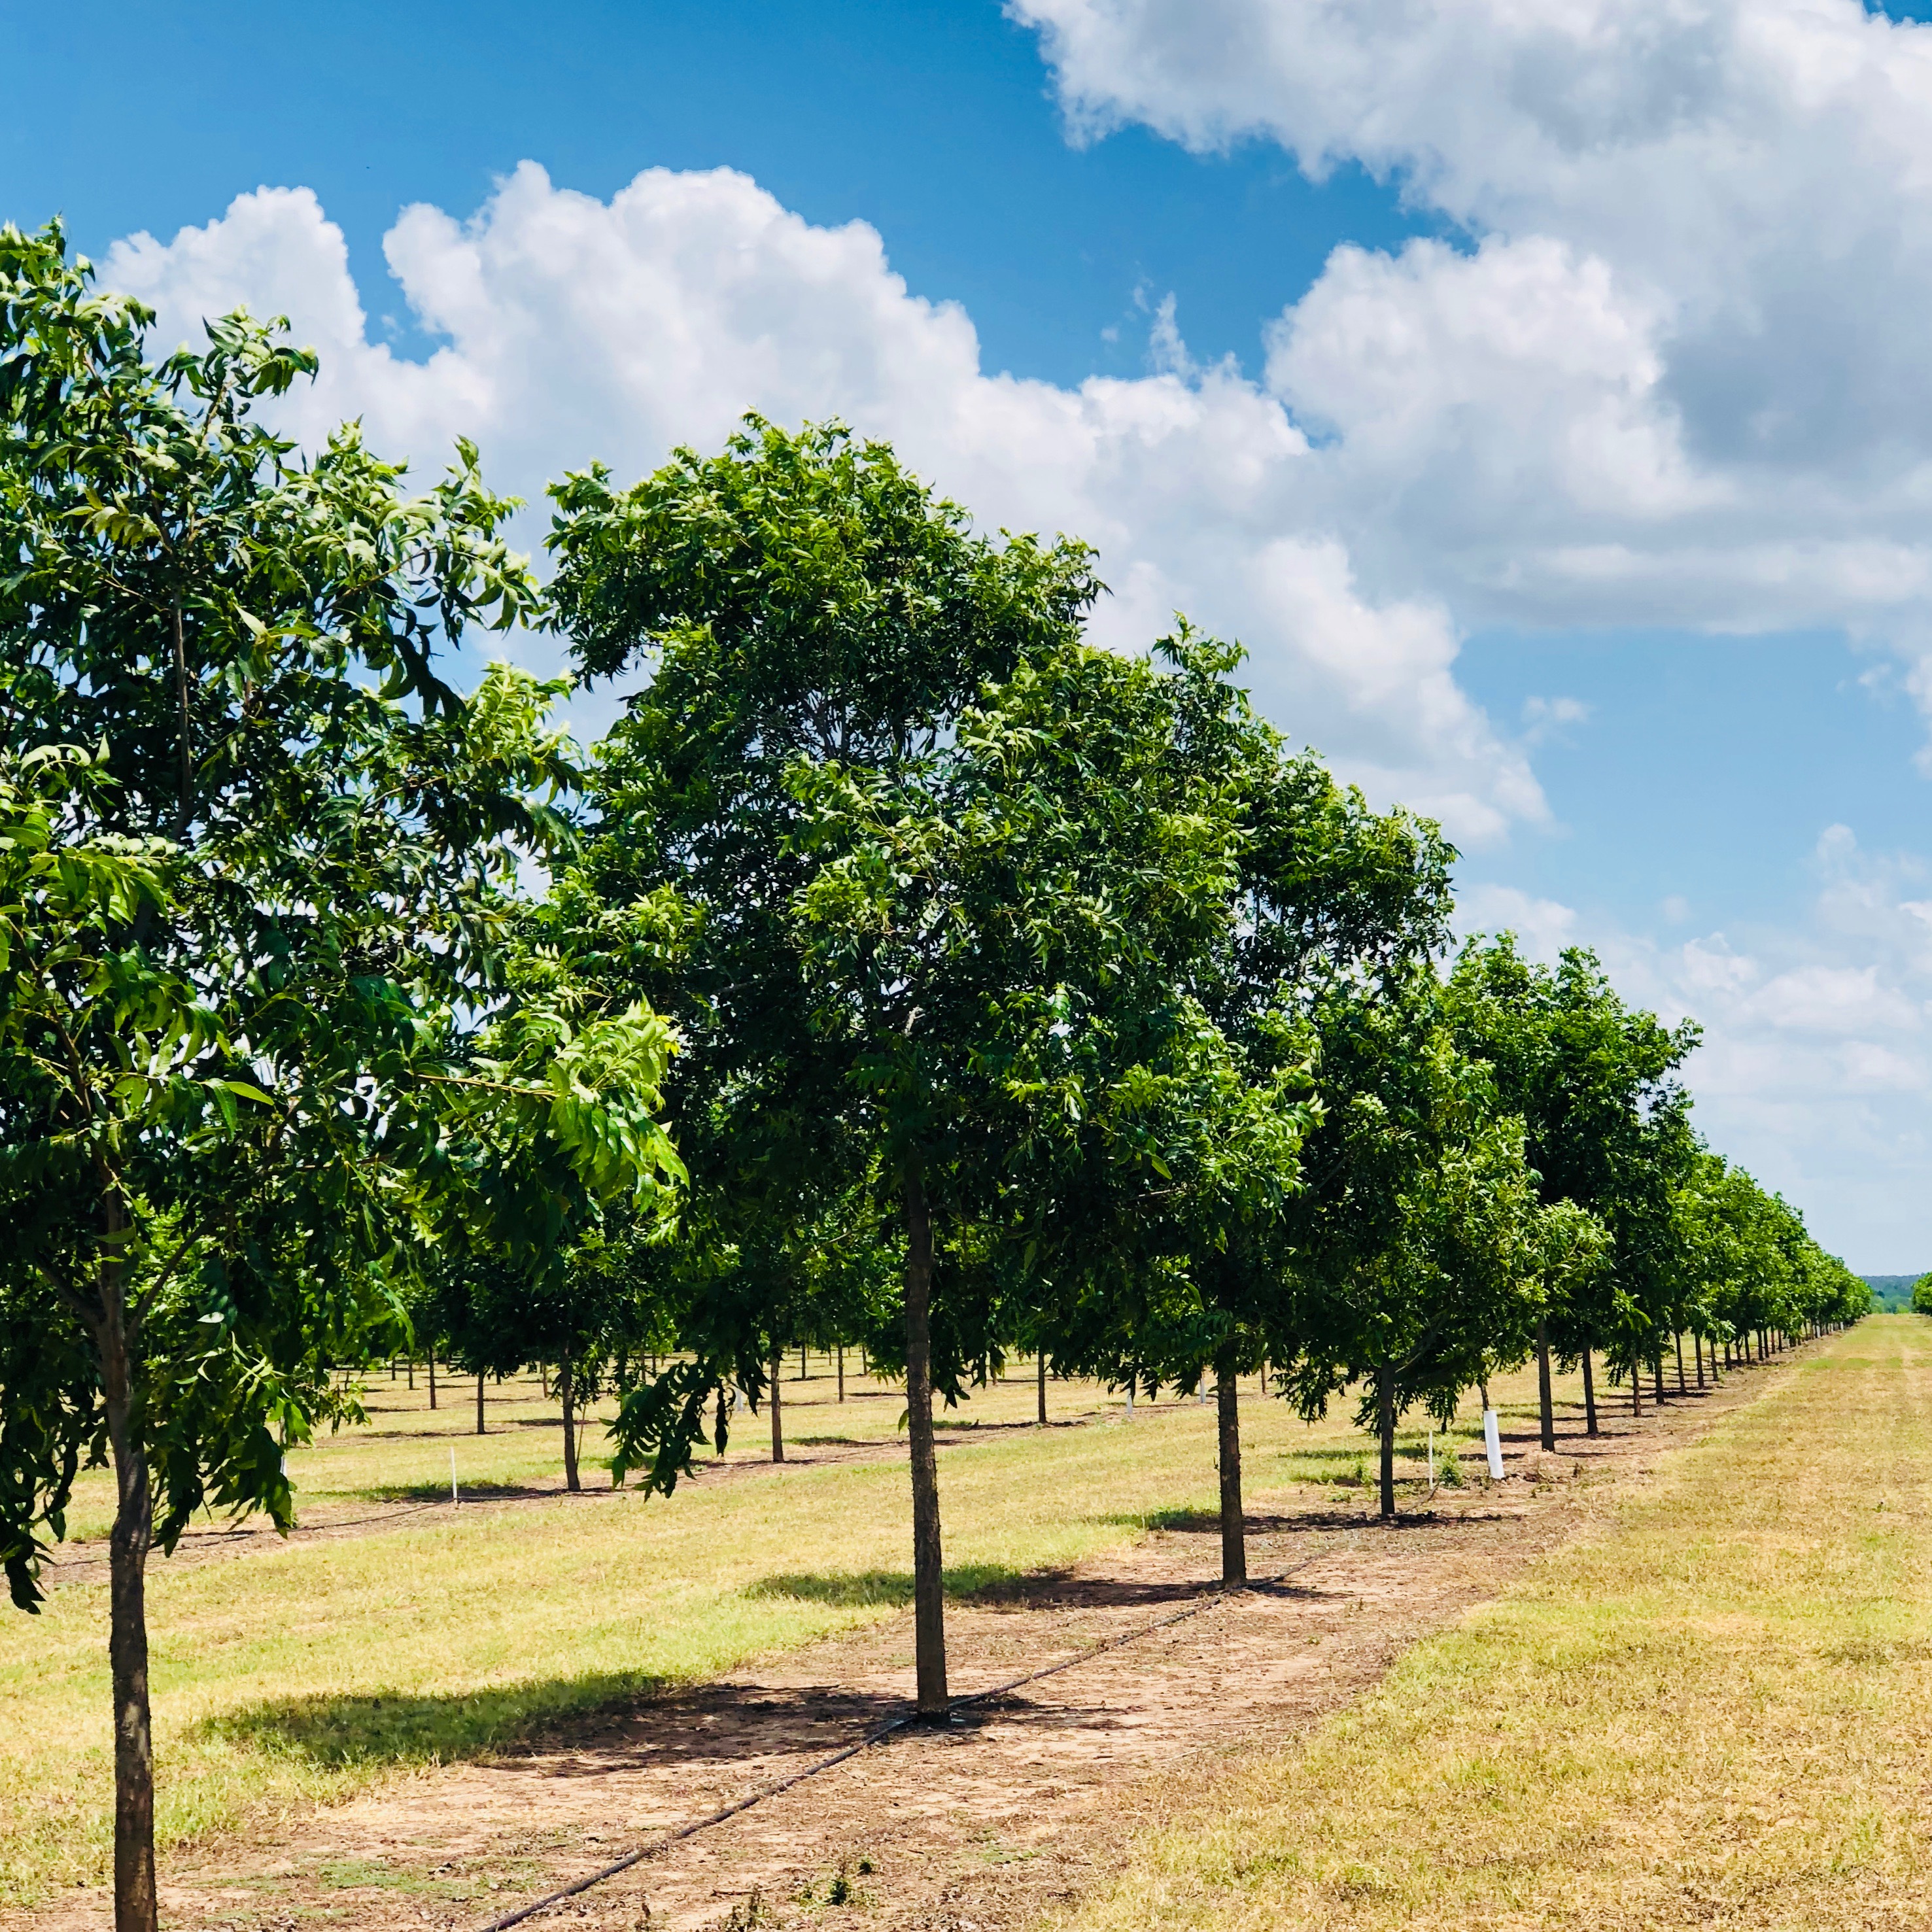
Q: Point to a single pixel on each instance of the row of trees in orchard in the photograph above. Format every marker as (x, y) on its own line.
(902, 971)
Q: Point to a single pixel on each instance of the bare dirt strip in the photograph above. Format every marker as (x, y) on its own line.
(1021, 1806)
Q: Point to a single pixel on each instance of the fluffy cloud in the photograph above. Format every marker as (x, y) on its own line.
(1677, 375)
(1815, 1061)
(573, 328)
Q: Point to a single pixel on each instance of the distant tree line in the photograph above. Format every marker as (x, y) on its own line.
(901, 973)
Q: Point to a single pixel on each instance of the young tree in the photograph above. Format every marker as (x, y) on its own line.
(243, 935)
(1606, 1122)
(807, 608)
(1324, 890)
(1415, 1232)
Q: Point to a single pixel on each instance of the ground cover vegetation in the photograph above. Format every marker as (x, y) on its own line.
(526, 1607)
(903, 974)
(1711, 1708)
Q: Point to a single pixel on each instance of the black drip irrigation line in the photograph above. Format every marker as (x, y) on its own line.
(1213, 1594)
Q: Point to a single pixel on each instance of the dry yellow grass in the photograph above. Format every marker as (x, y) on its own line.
(1716, 1709)
(314, 1671)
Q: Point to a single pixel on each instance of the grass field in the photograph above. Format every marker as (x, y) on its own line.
(1717, 1710)
(311, 1671)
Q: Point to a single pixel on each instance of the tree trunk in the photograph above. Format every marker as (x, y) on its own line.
(1234, 1519)
(778, 1414)
(566, 1389)
(1697, 1349)
(1543, 1396)
(480, 1429)
(432, 1381)
(1656, 1376)
(1589, 1394)
(928, 1570)
(1683, 1388)
(1040, 1383)
(135, 1908)
(409, 1368)
(543, 1375)
(1385, 1429)
(841, 1372)
(1636, 1384)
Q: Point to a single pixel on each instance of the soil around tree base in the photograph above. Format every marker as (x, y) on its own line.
(1019, 1807)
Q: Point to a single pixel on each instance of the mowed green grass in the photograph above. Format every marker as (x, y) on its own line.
(1715, 1710)
(311, 1671)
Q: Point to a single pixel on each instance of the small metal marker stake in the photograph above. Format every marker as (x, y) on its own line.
(1493, 1442)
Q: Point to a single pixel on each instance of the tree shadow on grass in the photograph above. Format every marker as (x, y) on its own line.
(349, 1729)
(435, 1490)
(984, 1586)
(892, 1589)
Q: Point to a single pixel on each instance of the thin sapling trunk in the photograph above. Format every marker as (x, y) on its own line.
(928, 1570)
(1040, 1383)
(480, 1429)
(1543, 1396)
(135, 1906)
(778, 1417)
(1589, 1395)
(1385, 1429)
(566, 1389)
(1233, 1520)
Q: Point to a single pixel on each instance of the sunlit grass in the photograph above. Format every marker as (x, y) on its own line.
(1715, 1710)
(309, 1671)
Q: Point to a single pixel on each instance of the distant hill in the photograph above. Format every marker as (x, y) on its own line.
(1891, 1291)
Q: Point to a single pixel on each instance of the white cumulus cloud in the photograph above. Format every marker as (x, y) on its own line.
(1676, 376)
(572, 328)
(1814, 1067)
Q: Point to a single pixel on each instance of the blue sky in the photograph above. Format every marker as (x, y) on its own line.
(1669, 692)
(935, 123)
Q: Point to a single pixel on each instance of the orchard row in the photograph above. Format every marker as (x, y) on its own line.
(902, 971)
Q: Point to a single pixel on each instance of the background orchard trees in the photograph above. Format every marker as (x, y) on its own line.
(1324, 890)
(1606, 1127)
(245, 930)
(1415, 1234)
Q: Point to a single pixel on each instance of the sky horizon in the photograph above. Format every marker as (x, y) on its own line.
(1537, 399)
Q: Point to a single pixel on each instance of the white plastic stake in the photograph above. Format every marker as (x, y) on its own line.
(1130, 1398)
(453, 1496)
(1493, 1442)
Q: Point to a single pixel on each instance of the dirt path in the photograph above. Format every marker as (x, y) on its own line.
(976, 1829)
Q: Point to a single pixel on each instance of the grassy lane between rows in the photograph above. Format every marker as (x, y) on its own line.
(312, 1672)
(1716, 1709)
